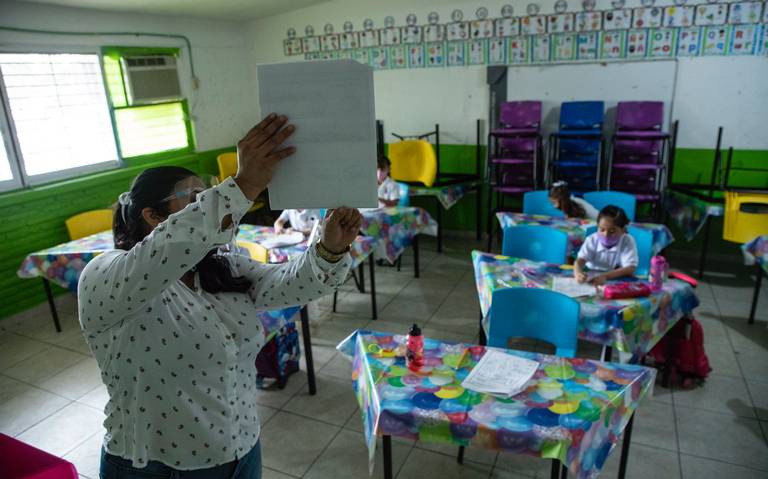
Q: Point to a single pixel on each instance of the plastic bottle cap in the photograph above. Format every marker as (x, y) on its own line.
(415, 330)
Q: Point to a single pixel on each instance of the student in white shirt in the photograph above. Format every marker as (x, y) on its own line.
(173, 325)
(389, 192)
(300, 220)
(611, 250)
(571, 206)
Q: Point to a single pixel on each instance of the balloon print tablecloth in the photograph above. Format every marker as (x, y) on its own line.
(360, 249)
(757, 251)
(573, 410)
(395, 228)
(577, 229)
(690, 213)
(447, 195)
(630, 325)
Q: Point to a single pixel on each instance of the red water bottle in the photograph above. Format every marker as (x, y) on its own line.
(659, 272)
(414, 355)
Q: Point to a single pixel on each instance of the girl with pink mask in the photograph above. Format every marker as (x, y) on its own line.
(611, 251)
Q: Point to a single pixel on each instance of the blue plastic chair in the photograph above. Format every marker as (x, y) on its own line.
(601, 199)
(536, 243)
(644, 241)
(534, 313)
(537, 203)
(577, 145)
(405, 194)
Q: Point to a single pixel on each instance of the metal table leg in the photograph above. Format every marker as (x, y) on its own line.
(479, 206)
(361, 272)
(481, 336)
(52, 304)
(756, 294)
(387, 451)
(415, 246)
(306, 335)
(703, 257)
(439, 225)
(625, 447)
(372, 269)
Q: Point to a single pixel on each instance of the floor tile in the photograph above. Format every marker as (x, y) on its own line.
(18, 348)
(521, 464)
(10, 388)
(723, 394)
(758, 390)
(267, 473)
(754, 365)
(334, 402)
(700, 468)
(347, 456)
(291, 444)
(472, 454)
(722, 360)
(44, 364)
(96, 397)
(27, 409)
(654, 426)
(275, 397)
(75, 381)
(641, 461)
(87, 456)
(423, 464)
(730, 439)
(340, 367)
(747, 338)
(64, 430)
(406, 312)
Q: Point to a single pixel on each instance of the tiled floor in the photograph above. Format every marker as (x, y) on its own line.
(51, 397)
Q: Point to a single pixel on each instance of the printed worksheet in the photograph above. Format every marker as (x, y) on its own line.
(500, 373)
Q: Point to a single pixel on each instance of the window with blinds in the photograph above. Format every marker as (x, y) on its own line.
(58, 110)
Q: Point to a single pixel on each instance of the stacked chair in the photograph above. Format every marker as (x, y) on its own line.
(576, 149)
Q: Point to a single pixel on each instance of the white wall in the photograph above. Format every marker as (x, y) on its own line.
(222, 108)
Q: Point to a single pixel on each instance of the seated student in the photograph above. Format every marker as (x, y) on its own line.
(610, 251)
(389, 192)
(299, 220)
(571, 206)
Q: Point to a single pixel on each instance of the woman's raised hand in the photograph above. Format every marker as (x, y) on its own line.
(260, 151)
(341, 228)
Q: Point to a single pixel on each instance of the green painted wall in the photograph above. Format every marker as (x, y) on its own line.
(33, 219)
(695, 166)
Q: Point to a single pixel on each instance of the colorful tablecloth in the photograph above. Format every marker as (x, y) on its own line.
(757, 251)
(573, 410)
(690, 213)
(360, 249)
(630, 325)
(447, 195)
(577, 229)
(395, 228)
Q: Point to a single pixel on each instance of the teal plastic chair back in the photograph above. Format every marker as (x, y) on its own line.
(536, 243)
(601, 199)
(534, 313)
(405, 194)
(644, 241)
(537, 203)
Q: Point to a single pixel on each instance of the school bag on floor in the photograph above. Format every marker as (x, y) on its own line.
(279, 358)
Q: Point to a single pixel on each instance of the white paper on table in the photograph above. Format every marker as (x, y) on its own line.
(286, 239)
(570, 287)
(500, 373)
(332, 105)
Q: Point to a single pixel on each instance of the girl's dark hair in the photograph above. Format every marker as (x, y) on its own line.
(571, 209)
(618, 215)
(149, 189)
(382, 162)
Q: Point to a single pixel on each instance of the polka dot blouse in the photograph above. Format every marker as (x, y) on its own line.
(179, 362)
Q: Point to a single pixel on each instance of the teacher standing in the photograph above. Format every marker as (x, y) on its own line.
(173, 324)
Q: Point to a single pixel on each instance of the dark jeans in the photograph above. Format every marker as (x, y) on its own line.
(247, 467)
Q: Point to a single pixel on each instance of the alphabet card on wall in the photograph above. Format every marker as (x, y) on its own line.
(744, 12)
(562, 23)
(346, 55)
(397, 56)
(564, 47)
(540, 46)
(587, 45)
(361, 56)
(497, 54)
(477, 50)
(349, 40)
(637, 43)
(412, 34)
(507, 27)
(330, 42)
(457, 31)
(612, 46)
(292, 46)
(534, 25)
(589, 21)
(390, 36)
(379, 58)
(481, 28)
(435, 54)
(715, 39)
(662, 43)
(743, 40)
(711, 14)
(679, 16)
(328, 56)
(369, 38)
(517, 49)
(617, 19)
(764, 41)
(311, 44)
(688, 42)
(456, 54)
(416, 56)
(647, 17)
(434, 33)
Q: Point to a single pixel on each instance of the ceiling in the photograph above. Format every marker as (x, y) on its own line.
(219, 9)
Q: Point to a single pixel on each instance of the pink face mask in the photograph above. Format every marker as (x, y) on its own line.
(381, 175)
(609, 241)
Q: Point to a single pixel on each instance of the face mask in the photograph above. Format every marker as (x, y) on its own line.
(381, 175)
(609, 241)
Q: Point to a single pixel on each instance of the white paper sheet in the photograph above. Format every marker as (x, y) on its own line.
(332, 105)
(287, 239)
(500, 373)
(571, 287)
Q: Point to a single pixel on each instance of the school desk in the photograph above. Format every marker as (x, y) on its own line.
(446, 196)
(396, 229)
(577, 229)
(572, 411)
(632, 326)
(756, 252)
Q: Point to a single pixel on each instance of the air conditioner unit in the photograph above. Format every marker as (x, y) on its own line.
(151, 79)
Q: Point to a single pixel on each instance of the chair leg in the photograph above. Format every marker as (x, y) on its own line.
(399, 262)
(460, 456)
(335, 297)
(756, 294)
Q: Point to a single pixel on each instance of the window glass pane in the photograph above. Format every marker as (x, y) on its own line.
(114, 76)
(151, 129)
(59, 110)
(5, 166)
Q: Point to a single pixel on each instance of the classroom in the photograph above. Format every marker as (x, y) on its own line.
(358, 239)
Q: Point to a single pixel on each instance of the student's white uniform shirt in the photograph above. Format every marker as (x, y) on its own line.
(300, 220)
(178, 362)
(388, 190)
(589, 210)
(600, 258)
